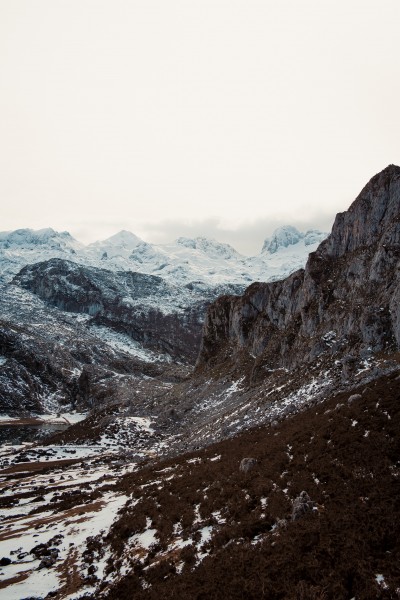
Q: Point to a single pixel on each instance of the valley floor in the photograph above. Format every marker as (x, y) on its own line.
(86, 522)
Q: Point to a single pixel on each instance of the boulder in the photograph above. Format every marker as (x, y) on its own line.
(301, 506)
(246, 464)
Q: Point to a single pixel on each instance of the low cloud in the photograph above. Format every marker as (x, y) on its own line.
(248, 238)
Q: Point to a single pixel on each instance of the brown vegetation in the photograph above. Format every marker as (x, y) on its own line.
(344, 455)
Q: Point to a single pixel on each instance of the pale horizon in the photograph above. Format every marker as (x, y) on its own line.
(170, 119)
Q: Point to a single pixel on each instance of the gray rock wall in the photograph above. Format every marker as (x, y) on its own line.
(346, 301)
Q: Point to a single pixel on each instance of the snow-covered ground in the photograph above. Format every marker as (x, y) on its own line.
(54, 500)
(36, 521)
(122, 342)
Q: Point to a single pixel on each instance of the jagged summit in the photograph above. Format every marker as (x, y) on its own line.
(382, 178)
(377, 184)
(287, 235)
(123, 238)
(30, 238)
(372, 217)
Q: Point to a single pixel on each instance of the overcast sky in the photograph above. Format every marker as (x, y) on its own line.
(170, 118)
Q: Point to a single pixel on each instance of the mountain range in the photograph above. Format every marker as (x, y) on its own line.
(186, 260)
(122, 297)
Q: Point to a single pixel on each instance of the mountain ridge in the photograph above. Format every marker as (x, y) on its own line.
(185, 260)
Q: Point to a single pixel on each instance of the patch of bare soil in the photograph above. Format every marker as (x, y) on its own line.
(12, 580)
(20, 422)
(39, 467)
(64, 515)
(69, 576)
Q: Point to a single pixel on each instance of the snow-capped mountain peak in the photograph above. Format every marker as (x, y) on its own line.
(282, 238)
(123, 238)
(287, 235)
(201, 260)
(27, 246)
(119, 244)
(31, 238)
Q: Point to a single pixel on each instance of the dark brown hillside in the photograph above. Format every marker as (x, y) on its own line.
(345, 453)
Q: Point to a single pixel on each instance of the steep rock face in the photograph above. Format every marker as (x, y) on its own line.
(345, 302)
(39, 375)
(44, 362)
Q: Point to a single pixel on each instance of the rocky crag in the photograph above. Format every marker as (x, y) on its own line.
(282, 346)
(345, 303)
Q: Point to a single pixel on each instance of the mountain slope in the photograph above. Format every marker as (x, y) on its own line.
(52, 361)
(304, 509)
(230, 533)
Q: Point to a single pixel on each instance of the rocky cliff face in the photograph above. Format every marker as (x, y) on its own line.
(344, 304)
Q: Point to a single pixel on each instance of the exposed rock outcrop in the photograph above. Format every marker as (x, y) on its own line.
(345, 303)
(301, 506)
